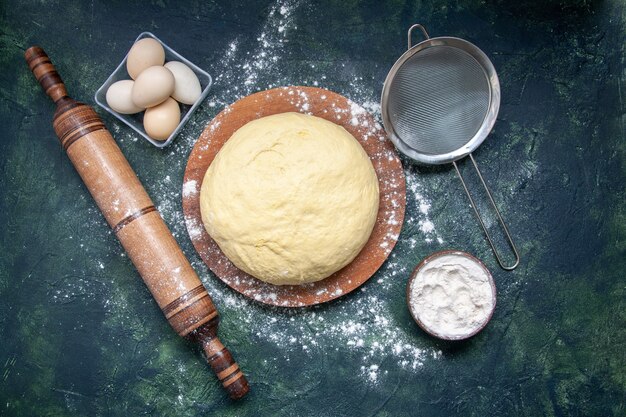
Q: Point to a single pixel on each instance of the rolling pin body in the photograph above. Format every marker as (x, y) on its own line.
(137, 223)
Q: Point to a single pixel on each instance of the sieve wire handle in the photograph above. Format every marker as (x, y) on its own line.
(493, 204)
(416, 26)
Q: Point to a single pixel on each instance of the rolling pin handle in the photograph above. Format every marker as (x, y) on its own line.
(45, 72)
(226, 369)
(221, 361)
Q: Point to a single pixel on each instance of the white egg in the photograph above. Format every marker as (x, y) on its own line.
(119, 97)
(153, 86)
(187, 87)
(160, 121)
(144, 53)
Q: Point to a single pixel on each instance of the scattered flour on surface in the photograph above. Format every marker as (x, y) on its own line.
(421, 217)
(364, 322)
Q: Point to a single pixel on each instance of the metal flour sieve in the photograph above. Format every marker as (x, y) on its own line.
(439, 103)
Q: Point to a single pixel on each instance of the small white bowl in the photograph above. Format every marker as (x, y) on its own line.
(135, 121)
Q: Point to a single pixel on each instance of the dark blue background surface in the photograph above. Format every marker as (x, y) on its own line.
(82, 336)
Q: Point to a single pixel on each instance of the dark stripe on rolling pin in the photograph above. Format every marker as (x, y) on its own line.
(187, 296)
(45, 61)
(195, 325)
(34, 58)
(81, 132)
(83, 124)
(225, 364)
(49, 80)
(212, 314)
(126, 220)
(232, 378)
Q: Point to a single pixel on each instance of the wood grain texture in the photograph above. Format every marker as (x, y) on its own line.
(337, 109)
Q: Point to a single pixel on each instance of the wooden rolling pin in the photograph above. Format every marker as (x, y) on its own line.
(137, 223)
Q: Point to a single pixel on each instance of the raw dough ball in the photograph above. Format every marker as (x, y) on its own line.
(290, 198)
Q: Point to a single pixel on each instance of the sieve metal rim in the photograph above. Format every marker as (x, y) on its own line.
(488, 121)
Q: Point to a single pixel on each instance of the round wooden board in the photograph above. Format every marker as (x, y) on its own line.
(364, 128)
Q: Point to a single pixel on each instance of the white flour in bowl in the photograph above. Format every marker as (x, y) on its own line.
(451, 295)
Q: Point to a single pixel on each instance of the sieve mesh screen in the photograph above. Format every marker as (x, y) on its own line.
(438, 99)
